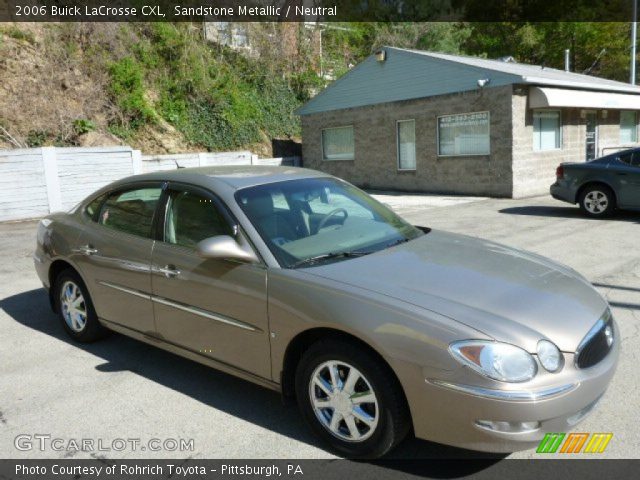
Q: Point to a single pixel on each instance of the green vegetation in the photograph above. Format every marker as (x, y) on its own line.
(14, 32)
(83, 125)
(215, 97)
(128, 91)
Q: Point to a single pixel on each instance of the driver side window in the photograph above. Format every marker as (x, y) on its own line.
(191, 218)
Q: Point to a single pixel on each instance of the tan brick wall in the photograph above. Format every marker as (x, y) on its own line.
(513, 169)
(534, 171)
(375, 163)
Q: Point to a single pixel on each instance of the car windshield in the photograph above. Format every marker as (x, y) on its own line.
(318, 220)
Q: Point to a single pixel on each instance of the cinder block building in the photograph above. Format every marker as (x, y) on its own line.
(428, 122)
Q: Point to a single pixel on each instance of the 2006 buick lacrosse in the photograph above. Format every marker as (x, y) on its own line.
(302, 283)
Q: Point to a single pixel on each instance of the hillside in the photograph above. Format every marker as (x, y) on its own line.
(160, 87)
(156, 87)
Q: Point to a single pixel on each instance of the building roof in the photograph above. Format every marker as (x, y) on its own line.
(409, 74)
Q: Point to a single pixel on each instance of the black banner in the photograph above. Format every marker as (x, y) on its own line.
(316, 10)
(484, 469)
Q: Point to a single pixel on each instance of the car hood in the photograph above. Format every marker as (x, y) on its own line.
(507, 294)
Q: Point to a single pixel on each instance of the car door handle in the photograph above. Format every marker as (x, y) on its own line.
(86, 250)
(621, 174)
(169, 271)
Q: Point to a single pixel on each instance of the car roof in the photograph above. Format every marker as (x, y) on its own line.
(228, 177)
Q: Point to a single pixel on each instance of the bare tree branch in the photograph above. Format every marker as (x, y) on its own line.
(7, 136)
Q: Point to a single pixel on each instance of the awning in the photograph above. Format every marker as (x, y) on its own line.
(558, 97)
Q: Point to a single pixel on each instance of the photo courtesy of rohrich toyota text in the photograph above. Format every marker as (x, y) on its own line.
(321, 239)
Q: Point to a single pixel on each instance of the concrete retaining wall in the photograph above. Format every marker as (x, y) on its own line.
(37, 181)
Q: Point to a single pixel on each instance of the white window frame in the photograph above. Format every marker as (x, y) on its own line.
(488, 153)
(325, 159)
(398, 122)
(635, 114)
(560, 130)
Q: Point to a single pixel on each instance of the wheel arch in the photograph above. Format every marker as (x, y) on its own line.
(594, 182)
(306, 338)
(56, 267)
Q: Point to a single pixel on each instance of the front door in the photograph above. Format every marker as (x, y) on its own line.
(591, 136)
(115, 257)
(214, 307)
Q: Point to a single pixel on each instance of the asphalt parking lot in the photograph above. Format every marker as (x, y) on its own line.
(121, 389)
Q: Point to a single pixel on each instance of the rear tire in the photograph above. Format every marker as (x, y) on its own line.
(75, 308)
(359, 410)
(597, 201)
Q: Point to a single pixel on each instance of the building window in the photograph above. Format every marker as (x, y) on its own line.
(337, 143)
(406, 145)
(547, 132)
(628, 127)
(464, 134)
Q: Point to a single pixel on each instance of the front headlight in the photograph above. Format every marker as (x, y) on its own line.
(500, 361)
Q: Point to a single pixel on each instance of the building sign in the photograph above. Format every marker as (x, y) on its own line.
(463, 134)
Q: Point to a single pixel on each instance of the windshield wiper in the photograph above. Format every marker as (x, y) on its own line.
(328, 256)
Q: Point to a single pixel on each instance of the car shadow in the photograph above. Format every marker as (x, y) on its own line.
(567, 212)
(225, 392)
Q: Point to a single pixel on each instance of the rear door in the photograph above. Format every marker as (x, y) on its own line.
(215, 307)
(115, 256)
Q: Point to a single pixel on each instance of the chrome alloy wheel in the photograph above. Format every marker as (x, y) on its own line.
(343, 401)
(596, 202)
(73, 307)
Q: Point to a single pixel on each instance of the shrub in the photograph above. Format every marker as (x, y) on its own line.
(82, 125)
(127, 89)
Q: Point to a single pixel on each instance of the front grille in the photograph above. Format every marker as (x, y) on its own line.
(596, 344)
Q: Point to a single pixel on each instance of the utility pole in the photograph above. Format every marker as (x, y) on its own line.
(634, 32)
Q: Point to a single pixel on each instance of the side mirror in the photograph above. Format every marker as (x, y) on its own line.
(225, 247)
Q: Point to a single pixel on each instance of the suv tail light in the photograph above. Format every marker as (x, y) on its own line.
(560, 172)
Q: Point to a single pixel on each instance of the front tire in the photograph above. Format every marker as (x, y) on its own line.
(75, 308)
(351, 399)
(597, 201)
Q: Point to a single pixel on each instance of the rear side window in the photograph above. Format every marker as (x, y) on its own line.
(625, 158)
(630, 158)
(130, 211)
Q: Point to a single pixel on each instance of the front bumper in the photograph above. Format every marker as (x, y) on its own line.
(445, 410)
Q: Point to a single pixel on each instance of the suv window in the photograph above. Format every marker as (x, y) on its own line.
(131, 211)
(191, 218)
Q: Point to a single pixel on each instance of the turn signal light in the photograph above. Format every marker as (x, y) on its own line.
(560, 172)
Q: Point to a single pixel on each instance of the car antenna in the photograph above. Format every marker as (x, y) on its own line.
(177, 164)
